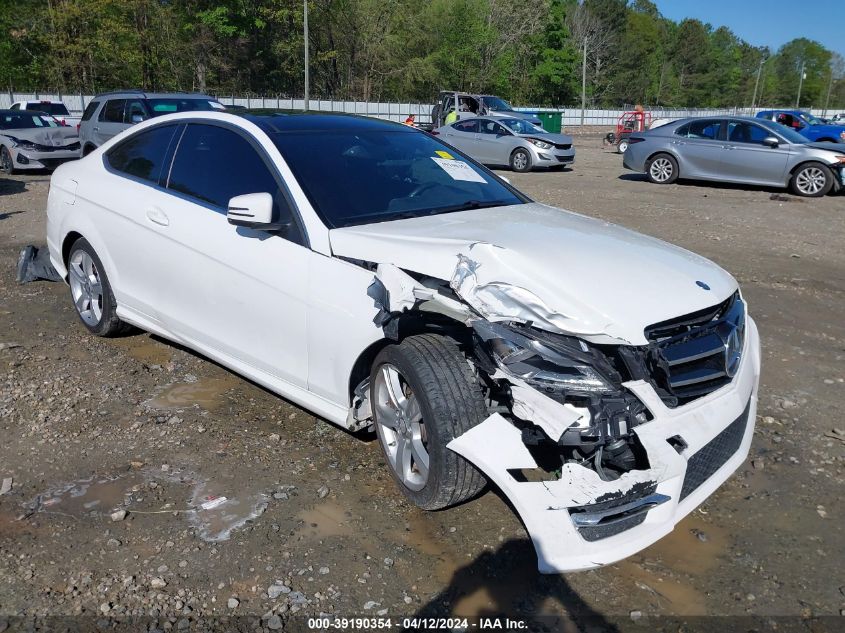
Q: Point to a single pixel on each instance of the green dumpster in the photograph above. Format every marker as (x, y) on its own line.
(552, 121)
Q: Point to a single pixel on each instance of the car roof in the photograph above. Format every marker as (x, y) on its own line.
(280, 122)
(25, 112)
(155, 95)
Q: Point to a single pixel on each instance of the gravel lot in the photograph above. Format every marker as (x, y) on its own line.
(90, 425)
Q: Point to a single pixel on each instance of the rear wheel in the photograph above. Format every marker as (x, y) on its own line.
(7, 166)
(662, 169)
(521, 160)
(812, 180)
(423, 396)
(622, 146)
(88, 149)
(91, 292)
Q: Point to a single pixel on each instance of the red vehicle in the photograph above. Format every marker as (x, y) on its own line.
(628, 123)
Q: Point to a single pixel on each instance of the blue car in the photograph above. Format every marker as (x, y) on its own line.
(806, 124)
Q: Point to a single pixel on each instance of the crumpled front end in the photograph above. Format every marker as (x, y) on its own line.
(602, 437)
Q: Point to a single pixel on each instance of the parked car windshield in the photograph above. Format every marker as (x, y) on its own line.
(159, 107)
(497, 104)
(521, 126)
(786, 132)
(354, 177)
(50, 108)
(809, 118)
(25, 121)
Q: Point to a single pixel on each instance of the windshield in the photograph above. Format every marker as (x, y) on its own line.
(356, 177)
(48, 107)
(809, 118)
(497, 104)
(786, 132)
(521, 126)
(24, 121)
(158, 107)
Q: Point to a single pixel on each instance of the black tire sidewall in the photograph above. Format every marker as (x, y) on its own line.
(109, 322)
(828, 178)
(528, 161)
(11, 169)
(672, 160)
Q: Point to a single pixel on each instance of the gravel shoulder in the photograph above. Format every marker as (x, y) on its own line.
(90, 425)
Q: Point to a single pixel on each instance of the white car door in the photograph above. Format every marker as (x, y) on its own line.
(233, 292)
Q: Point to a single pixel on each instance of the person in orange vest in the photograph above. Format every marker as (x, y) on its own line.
(410, 120)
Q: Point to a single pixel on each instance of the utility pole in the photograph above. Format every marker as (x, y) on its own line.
(584, 81)
(305, 29)
(757, 84)
(829, 89)
(800, 85)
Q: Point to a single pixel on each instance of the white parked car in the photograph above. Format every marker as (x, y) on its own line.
(55, 108)
(605, 381)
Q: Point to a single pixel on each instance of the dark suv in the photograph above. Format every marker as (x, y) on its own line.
(110, 113)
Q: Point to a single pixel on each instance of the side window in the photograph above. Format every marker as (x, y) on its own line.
(704, 129)
(743, 132)
(470, 126)
(214, 164)
(113, 111)
(143, 155)
(135, 112)
(15, 106)
(90, 109)
(491, 127)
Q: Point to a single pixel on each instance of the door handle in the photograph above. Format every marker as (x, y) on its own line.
(157, 216)
(728, 147)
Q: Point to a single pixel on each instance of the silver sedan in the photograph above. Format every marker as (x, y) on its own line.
(504, 141)
(740, 150)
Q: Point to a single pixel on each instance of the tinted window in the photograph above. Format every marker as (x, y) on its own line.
(704, 129)
(90, 109)
(16, 106)
(470, 126)
(22, 120)
(491, 127)
(214, 164)
(361, 176)
(113, 111)
(744, 132)
(135, 112)
(171, 105)
(143, 155)
(57, 109)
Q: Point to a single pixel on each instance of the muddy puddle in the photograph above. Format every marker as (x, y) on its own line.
(145, 349)
(205, 393)
(213, 509)
(325, 520)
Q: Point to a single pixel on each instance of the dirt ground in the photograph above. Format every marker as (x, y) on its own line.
(90, 425)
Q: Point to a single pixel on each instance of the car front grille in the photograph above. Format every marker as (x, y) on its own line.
(713, 455)
(698, 353)
(563, 146)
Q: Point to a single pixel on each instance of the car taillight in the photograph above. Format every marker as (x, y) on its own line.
(77, 127)
(635, 139)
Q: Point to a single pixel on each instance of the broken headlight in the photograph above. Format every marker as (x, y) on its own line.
(565, 366)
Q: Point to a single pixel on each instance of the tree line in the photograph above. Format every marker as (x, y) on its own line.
(530, 51)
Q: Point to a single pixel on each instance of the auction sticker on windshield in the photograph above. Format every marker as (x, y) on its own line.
(458, 170)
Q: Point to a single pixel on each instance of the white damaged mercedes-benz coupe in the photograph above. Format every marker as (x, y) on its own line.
(605, 381)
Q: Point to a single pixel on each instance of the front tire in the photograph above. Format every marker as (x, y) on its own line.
(423, 396)
(7, 165)
(91, 292)
(520, 160)
(812, 180)
(662, 169)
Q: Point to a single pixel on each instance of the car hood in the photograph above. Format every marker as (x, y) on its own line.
(557, 139)
(50, 136)
(560, 270)
(839, 148)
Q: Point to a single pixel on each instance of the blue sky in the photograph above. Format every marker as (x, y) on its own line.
(767, 22)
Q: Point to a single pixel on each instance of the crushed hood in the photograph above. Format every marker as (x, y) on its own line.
(560, 270)
(49, 136)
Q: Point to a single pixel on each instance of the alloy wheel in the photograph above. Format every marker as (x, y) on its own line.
(401, 428)
(810, 181)
(520, 161)
(85, 287)
(661, 169)
(5, 161)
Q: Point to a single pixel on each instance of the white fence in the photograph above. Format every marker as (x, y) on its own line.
(571, 117)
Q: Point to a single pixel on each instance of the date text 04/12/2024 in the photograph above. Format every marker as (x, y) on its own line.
(418, 624)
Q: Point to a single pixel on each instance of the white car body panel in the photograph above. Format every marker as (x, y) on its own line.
(297, 318)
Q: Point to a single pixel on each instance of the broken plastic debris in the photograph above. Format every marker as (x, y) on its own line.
(6, 486)
(213, 502)
(33, 264)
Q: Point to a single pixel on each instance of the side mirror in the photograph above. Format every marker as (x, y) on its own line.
(252, 210)
(771, 141)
